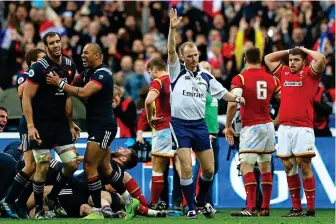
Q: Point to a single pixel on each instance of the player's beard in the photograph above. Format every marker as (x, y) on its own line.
(295, 70)
(54, 55)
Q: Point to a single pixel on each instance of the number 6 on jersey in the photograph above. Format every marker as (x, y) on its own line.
(261, 90)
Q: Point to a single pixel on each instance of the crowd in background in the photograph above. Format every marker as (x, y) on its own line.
(131, 33)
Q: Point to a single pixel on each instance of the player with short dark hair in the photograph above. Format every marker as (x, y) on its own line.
(97, 88)
(296, 138)
(20, 182)
(48, 111)
(257, 136)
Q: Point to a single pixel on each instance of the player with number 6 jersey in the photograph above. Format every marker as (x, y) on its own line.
(257, 137)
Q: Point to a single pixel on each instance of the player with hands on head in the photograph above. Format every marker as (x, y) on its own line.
(296, 140)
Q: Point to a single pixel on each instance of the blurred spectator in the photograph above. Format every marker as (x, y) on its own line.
(130, 30)
(125, 112)
(323, 107)
(126, 66)
(136, 81)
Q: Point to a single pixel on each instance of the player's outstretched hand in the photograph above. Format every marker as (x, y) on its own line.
(174, 19)
(53, 79)
(229, 133)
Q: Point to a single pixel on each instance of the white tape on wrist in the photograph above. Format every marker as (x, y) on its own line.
(61, 84)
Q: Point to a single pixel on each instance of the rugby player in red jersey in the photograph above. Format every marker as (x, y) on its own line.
(157, 106)
(299, 83)
(257, 137)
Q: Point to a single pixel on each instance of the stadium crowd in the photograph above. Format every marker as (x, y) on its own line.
(93, 40)
(131, 33)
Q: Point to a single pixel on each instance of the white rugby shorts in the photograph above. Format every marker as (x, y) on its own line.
(295, 141)
(162, 144)
(258, 138)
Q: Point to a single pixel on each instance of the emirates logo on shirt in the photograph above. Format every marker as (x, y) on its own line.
(292, 83)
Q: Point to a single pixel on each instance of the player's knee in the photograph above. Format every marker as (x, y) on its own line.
(29, 168)
(186, 172)
(89, 166)
(85, 210)
(106, 196)
(246, 167)
(291, 167)
(305, 168)
(42, 156)
(69, 157)
(208, 171)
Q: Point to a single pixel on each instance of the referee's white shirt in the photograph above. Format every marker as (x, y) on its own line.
(188, 92)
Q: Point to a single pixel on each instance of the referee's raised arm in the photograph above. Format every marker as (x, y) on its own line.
(174, 23)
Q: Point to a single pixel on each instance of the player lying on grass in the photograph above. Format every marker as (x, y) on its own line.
(77, 202)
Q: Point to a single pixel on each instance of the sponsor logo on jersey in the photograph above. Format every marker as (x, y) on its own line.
(187, 77)
(292, 83)
(195, 93)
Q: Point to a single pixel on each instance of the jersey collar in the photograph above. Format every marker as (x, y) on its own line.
(98, 67)
(199, 69)
(51, 62)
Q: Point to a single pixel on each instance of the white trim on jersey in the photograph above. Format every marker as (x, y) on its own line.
(67, 61)
(104, 69)
(43, 62)
(66, 191)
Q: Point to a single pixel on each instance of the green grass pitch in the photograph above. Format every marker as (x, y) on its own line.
(323, 216)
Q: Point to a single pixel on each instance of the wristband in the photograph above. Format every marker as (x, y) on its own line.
(61, 84)
(237, 99)
(30, 125)
(287, 51)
